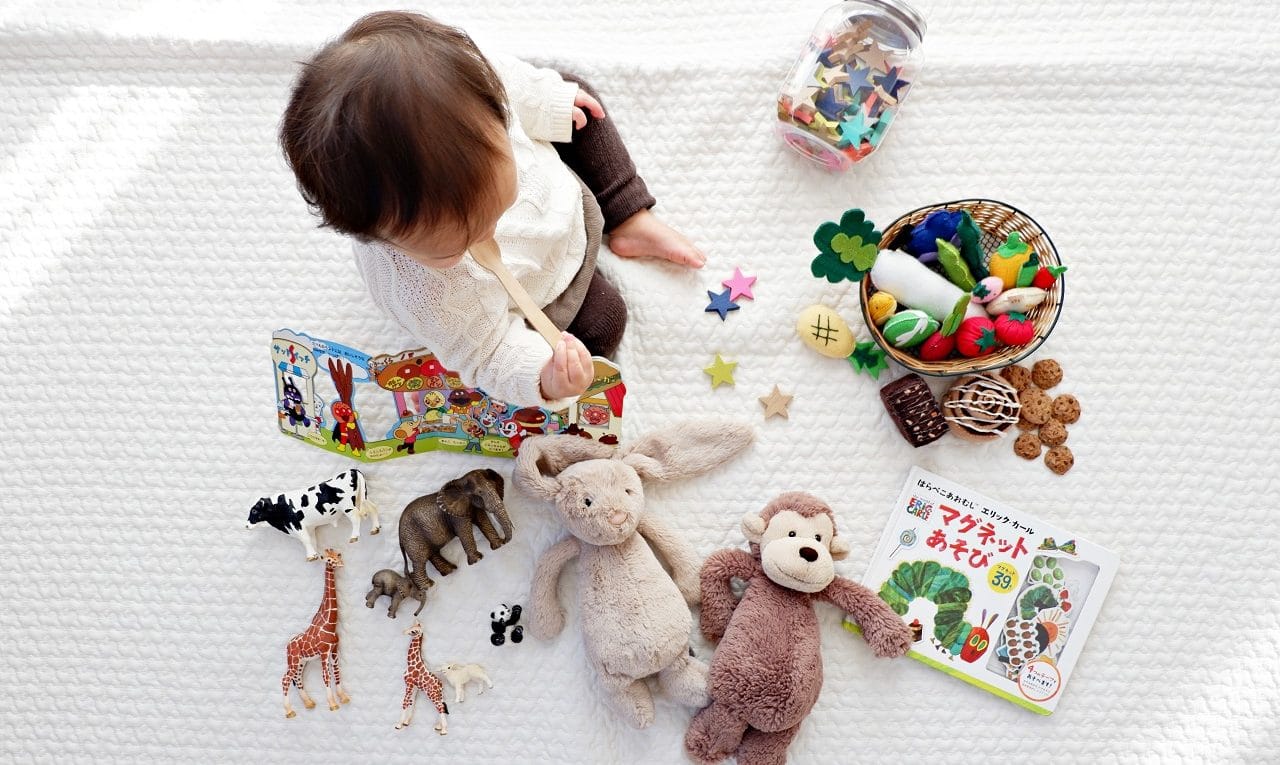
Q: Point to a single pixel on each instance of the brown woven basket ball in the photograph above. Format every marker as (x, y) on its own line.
(996, 220)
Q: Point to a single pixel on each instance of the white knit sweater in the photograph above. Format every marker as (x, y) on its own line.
(462, 314)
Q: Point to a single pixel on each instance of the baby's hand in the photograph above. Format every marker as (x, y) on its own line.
(569, 371)
(585, 101)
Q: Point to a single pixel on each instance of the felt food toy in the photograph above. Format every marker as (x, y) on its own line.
(915, 285)
(976, 337)
(1014, 329)
(635, 615)
(909, 328)
(970, 237)
(914, 410)
(937, 225)
(1019, 300)
(1008, 260)
(937, 347)
(881, 306)
(821, 329)
(987, 290)
(954, 266)
(1047, 275)
(981, 407)
(766, 674)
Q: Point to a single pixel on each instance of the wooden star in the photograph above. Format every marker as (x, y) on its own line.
(721, 372)
(848, 44)
(775, 404)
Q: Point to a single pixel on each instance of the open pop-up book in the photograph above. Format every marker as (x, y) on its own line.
(375, 408)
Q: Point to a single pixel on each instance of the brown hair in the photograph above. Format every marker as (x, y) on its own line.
(391, 127)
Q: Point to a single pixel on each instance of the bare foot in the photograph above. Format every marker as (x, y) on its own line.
(644, 236)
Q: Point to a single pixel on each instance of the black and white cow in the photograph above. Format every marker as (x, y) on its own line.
(300, 512)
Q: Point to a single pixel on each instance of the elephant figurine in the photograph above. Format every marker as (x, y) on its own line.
(398, 588)
(428, 523)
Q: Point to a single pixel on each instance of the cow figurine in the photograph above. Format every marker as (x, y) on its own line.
(298, 513)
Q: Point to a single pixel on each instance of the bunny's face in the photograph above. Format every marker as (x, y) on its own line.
(600, 501)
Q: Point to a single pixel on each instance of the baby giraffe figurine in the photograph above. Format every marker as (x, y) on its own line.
(767, 672)
(417, 678)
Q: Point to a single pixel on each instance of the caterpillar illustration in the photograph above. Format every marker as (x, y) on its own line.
(946, 588)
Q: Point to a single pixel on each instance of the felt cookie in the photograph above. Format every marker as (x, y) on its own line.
(1059, 459)
(1036, 405)
(980, 407)
(1066, 409)
(1025, 424)
(1017, 376)
(1027, 446)
(1053, 433)
(1046, 373)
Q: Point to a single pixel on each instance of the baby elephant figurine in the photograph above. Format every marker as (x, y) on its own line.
(397, 587)
(635, 616)
(428, 523)
(458, 675)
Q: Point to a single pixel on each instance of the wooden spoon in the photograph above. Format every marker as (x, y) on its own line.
(489, 256)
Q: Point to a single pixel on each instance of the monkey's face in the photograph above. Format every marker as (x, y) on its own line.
(796, 550)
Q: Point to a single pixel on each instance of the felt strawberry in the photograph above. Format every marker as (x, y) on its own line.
(1047, 275)
(976, 337)
(1014, 329)
(937, 347)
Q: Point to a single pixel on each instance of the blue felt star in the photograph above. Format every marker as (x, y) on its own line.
(889, 82)
(721, 304)
(834, 100)
(853, 129)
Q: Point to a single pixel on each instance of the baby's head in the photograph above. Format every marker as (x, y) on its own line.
(397, 131)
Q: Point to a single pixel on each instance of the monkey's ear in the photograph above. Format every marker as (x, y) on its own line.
(839, 550)
(753, 527)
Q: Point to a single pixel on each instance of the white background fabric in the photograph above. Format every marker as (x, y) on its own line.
(152, 240)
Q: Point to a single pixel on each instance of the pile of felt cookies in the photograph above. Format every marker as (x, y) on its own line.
(1043, 418)
(986, 407)
(940, 295)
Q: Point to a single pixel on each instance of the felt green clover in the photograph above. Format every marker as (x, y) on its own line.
(869, 358)
(847, 249)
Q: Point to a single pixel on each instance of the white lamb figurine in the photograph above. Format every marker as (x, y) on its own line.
(459, 675)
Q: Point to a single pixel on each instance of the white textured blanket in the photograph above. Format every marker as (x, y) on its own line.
(151, 240)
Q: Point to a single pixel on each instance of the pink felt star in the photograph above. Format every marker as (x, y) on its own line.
(739, 286)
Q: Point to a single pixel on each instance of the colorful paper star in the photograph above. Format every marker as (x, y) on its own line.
(739, 285)
(834, 101)
(721, 372)
(889, 82)
(775, 404)
(720, 303)
(860, 78)
(875, 58)
(868, 358)
(854, 128)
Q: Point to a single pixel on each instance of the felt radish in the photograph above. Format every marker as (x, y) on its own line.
(987, 290)
(976, 337)
(1014, 329)
(937, 347)
(915, 285)
(1047, 275)
(1019, 299)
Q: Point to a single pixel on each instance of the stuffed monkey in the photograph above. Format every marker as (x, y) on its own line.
(767, 671)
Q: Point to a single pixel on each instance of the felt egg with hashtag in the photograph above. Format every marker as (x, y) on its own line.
(909, 328)
(821, 329)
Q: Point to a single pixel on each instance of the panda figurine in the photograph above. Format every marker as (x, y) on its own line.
(504, 617)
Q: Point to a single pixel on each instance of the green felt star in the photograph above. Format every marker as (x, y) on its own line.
(847, 249)
(986, 340)
(868, 358)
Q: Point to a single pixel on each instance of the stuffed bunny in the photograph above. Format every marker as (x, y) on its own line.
(635, 617)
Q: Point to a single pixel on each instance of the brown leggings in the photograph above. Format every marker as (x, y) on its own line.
(597, 155)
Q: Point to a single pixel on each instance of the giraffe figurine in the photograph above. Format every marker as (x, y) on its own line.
(417, 678)
(319, 640)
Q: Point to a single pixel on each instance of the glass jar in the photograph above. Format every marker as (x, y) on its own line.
(843, 92)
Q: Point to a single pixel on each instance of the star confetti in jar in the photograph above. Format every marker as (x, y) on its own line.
(843, 93)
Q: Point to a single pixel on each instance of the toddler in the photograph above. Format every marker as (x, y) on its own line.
(403, 135)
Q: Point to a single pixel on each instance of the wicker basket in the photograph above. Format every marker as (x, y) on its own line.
(996, 220)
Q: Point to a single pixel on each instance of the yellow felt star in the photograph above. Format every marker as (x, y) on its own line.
(721, 372)
(775, 404)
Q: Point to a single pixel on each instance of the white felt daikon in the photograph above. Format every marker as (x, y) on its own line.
(915, 285)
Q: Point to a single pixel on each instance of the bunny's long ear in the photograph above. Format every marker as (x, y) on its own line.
(542, 458)
(687, 449)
